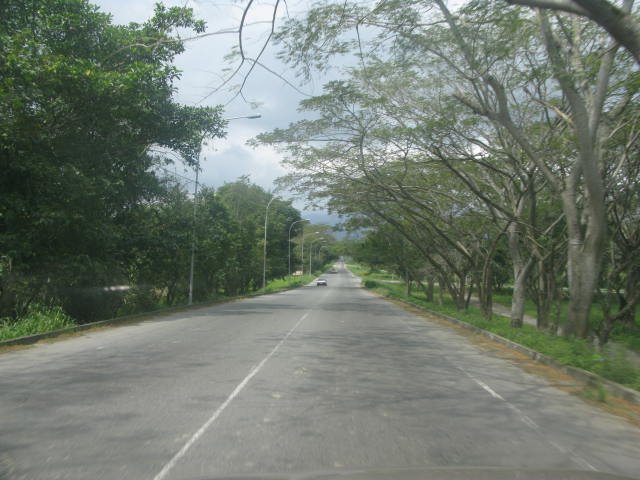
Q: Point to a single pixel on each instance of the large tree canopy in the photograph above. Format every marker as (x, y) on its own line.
(81, 103)
(527, 119)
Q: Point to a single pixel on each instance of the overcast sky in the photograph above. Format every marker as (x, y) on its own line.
(224, 160)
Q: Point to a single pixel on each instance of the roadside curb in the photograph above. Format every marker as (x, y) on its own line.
(579, 374)
(31, 339)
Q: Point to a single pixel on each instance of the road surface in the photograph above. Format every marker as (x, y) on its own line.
(314, 379)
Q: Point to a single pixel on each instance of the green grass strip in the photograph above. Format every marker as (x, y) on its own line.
(38, 319)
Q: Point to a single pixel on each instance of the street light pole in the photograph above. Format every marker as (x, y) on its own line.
(264, 252)
(290, 227)
(193, 235)
(302, 252)
(195, 209)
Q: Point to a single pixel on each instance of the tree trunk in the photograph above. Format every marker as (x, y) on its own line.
(430, 289)
(544, 296)
(458, 295)
(427, 289)
(583, 269)
(518, 299)
(171, 294)
(520, 275)
(485, 290)
(467, 300)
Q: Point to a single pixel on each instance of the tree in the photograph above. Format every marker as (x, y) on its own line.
(247, 204)
(619, 22)
(164, 245)
(349, 155)
(578, 183)
(384, 247)
(74, 177)
(563, 71)
(216, 250)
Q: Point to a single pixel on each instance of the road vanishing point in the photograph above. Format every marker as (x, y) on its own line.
(317, 379)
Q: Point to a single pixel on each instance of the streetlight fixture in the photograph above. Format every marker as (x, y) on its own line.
(195, 210)
(264, 251)
(289, 244)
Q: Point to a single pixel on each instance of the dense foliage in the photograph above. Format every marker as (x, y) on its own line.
(494, 140)
(87, 220)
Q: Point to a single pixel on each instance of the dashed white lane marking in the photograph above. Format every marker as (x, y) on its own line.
(558, 446)
(486, 387)
(528, 421)
(194, 438)
(523, 418)
(583, 463)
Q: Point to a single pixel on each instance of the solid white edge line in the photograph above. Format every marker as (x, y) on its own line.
(194, 438)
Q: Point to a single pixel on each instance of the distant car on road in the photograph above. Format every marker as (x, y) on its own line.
(333, 270)
(321, 282)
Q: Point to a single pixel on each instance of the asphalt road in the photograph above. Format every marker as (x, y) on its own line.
(314, 379)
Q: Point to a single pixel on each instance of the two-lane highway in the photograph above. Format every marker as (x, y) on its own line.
(314, 379)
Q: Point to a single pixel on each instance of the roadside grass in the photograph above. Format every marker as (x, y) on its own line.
(38, 319)
(609, 363)
(628, 335)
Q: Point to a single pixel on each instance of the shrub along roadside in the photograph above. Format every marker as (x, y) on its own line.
(38, 319)
(43, 319)
(610, 364)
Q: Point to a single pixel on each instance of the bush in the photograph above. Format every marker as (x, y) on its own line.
(38, 319)
(91, 304)
(370, 284)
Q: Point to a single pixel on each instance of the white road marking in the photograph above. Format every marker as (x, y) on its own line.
(558, 446)
(194, 438)
(581, 461)
(488, 389)
(523, 418)
(528, 421)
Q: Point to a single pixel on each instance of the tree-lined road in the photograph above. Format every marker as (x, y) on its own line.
(313, 379)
